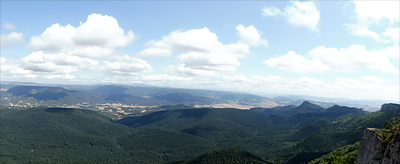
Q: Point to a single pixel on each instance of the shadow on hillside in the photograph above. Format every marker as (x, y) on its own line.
(60, 110)
(305, 157)
(193, 113)
(143, 120)
(198, 130)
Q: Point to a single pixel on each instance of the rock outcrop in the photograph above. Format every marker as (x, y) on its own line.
(395, 108)
(371, 150)
(392, 152)
(379, 146)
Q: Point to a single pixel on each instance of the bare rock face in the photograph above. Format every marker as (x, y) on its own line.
(392, 153)
(379, 147)
(372, 148)
(395, 108)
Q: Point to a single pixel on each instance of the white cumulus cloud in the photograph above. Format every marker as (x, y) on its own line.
(202, 53)
(297, 63)
(297, 13)
(102, 30)
(54, 38)
(272, 11)
(155, 51)
(354, 56)
(2, 60)
(61, 50)
(10, 68)
(198, 40)
(206, 61)
(393, 33)
(303, 14)
(39, 61)
(126, 66)
(12, 39)
(374, 11)
(250, 36)
(90, 51)
(322, 59)
(366, 88)
(94, 38)
(195, 40)
(370, 13)
(373, 79)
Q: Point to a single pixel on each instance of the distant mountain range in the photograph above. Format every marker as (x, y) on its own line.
(145, 95)
(45, 95)
(136, 95)
(309, 108)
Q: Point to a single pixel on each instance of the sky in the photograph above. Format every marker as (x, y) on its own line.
(346, 49)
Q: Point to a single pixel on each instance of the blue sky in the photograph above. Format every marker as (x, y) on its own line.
(321, 48)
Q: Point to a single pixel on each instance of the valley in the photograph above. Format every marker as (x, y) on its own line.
(119, 100)
(102, 124)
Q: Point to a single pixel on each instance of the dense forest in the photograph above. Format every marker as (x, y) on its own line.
(184, 135)
(348, 153)
(232, 155)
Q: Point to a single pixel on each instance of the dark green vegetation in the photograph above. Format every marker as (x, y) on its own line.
(45, 135)
(59, 135)
(298, 136)
(391, 130)
(346, 154)
(392, 123)
(231, 155)
(155, 145)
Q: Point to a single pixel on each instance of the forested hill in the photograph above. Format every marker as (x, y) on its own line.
(307, 135)
(67, 135)
(232, 155)
(46, 135)
(59, 135)
(379, 146)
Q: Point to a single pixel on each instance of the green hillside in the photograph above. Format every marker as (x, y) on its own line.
(62, 135)
(225, 156)
(155, 145)
(296, 138)
(42, 135)
(306, 107)
(346, 154)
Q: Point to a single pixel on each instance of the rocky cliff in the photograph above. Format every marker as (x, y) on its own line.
(380, 146)
(395, 108)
